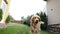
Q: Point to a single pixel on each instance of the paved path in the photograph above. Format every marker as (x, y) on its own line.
(5, 25)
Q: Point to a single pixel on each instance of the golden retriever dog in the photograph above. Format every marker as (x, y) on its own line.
(35, 23)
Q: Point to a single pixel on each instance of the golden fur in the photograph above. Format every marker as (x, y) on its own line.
(34, 26)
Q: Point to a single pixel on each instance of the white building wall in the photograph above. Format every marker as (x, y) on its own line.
(53, 7)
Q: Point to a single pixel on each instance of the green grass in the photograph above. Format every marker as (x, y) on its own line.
(19, 29)
(46, 32)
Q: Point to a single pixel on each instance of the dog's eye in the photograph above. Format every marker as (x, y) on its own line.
(34, 18)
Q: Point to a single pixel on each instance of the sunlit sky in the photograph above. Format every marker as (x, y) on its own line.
(19, 8)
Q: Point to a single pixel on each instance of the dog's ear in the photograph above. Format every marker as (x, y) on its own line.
(31, 20)
(39, 19)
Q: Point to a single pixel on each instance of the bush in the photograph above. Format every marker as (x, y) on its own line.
(27, 20)
(0, 14)
(9, 19)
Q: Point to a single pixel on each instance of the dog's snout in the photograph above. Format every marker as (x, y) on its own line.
(36, 21)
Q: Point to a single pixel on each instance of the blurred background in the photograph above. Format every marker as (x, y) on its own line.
(15, 16)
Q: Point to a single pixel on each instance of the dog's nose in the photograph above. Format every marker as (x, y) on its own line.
(36, 21)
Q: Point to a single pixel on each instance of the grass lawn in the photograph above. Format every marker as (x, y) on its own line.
(19, 29)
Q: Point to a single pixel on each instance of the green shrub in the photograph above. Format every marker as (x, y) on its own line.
(27, 20)
(0, 14)
(9, 19)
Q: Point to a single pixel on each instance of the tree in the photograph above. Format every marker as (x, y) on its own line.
(27, 20)
(23, 18)
(44, 19)
(0, 14)
(38, 14)
(9, 19)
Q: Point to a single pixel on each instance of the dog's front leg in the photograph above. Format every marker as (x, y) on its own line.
(31, 30)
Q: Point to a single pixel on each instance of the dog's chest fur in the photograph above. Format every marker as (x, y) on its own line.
(36, 29)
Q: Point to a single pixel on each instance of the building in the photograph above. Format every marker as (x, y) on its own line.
(18, 21)
(53, 11)
(53, 8)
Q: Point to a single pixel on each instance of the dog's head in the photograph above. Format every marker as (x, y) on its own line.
(35, 19)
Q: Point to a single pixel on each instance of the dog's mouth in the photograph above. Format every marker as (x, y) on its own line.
(36, 21)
